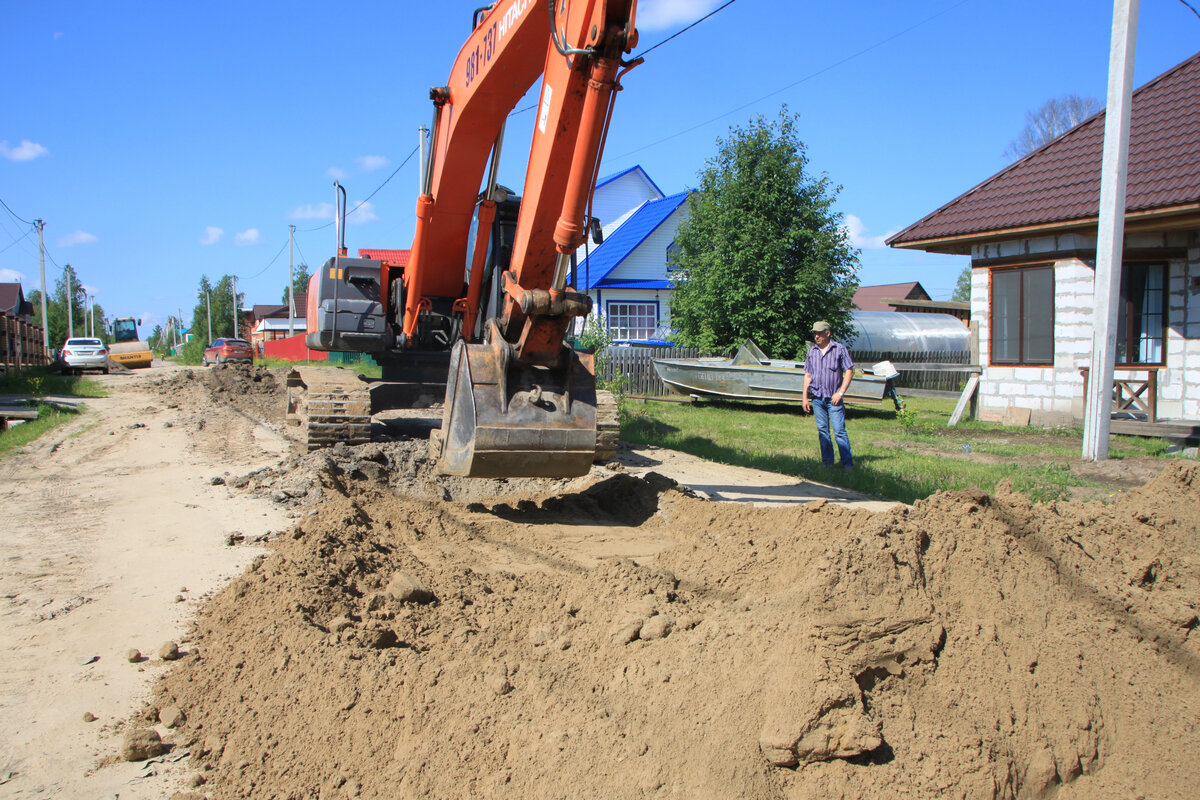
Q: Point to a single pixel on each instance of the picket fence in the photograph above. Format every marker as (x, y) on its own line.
(20, 344)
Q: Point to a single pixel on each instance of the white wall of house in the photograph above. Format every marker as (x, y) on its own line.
(648, 262)
(1054, 394)
(614, 201)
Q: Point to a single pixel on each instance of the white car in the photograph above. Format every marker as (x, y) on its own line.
(79, 354)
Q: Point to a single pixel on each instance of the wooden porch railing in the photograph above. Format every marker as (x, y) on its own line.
(1131, 394)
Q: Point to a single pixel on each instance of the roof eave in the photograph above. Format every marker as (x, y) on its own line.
(1170, 218)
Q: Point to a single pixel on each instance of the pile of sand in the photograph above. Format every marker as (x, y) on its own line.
(254, 391)
(616, 637)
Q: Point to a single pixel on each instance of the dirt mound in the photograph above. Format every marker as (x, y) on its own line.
(615, 637)
(255, 391)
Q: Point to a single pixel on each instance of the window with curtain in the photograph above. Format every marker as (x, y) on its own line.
(632, 320)
(1022, 316)
(1142, 314)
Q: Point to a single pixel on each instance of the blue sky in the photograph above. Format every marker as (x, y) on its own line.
(164, 141)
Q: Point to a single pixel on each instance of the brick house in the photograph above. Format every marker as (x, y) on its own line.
(1031, 232)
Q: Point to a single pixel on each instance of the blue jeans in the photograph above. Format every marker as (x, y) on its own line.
(827, 412)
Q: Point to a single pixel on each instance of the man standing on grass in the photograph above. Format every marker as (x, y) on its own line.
(827, 372)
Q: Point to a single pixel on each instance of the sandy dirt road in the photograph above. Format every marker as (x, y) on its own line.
(112, 534)
(404, 634)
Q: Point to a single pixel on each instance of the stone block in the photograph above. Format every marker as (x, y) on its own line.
(1017, 417)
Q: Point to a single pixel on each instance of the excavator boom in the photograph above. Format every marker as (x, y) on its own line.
(483, 292)
(522, 402)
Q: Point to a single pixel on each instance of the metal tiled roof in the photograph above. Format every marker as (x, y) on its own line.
(625, 239)
(1060, 181)
(11, 297)
(870, 298)
(398, 258)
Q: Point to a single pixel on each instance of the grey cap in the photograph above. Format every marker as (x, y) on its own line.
(820, 326)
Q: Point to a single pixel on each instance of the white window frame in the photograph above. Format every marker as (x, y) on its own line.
(631, 319)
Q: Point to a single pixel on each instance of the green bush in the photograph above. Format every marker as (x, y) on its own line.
(191, 353)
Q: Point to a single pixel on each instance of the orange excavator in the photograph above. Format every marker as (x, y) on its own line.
(482, 306)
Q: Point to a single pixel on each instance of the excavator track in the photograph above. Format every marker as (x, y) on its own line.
(329, 405)
(608, 427)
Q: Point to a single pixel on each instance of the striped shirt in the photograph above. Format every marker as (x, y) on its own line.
(826, 369)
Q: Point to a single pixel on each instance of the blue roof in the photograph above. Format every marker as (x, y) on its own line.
(635, 167)
(625, 239)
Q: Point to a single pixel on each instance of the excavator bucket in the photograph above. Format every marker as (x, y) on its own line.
(501, 420)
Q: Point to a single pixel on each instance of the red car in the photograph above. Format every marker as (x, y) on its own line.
(224, 351)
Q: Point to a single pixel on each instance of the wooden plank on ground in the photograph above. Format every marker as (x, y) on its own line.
(18, 412)
(963, 400)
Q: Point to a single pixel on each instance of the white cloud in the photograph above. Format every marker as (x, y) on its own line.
(11, 276)
(315, 211)
(310, 211)
(78, 237)
(337, 173)
(26, 151)
(859, 237)
(657, 14)
(362, 214)
(371, 163)
(58, 35)
(212, 235)
(92, 290)
(248, 236)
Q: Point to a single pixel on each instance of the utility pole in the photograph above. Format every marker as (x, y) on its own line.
(70, 304)
(42, 261)
(291, 283)
(1097, 414)
(235, 308)
(91, 314)
(208, 308)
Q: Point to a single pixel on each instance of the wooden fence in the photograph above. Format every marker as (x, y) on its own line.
(20, 344)
(938, 371)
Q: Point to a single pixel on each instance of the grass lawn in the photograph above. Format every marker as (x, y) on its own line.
(906, 456)
(49, 417)
(39, 383)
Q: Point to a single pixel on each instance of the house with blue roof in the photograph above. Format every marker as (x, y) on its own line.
(627, 274)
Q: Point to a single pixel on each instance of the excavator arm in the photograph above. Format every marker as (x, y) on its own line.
(521, 402)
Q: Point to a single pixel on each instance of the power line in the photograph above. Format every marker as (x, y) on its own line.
(18, 240)
(372, 194)
(808, 77)
(268, 266)
(303, 260)
(1190, 6)
(684, 30)
(9, 210)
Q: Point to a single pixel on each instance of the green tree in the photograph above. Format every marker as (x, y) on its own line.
(57, 303)
(157, 339)
(300, 276)
(762, 254)
(962, 289)
(216, 300)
